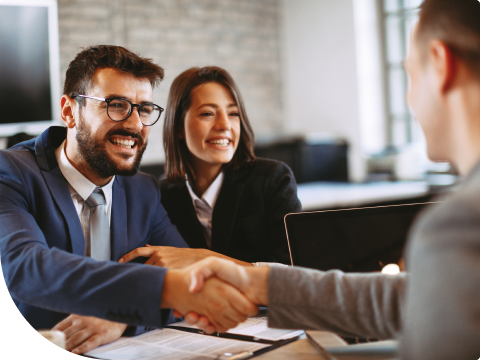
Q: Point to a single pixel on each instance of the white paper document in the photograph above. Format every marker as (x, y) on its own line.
(171, 344)
(255, 327)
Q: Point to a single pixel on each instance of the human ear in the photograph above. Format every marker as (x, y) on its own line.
(443, 64)
(68, 111)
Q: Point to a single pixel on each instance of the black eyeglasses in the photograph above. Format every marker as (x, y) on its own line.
(119, 109)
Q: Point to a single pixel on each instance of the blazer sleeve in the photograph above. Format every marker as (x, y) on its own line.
(57, 280)
(365, 305)
(280, 191)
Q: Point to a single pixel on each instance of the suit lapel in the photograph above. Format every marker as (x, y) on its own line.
(60, 193)
(45, 146)
(118, 227)
(187, 218)
(225, 212)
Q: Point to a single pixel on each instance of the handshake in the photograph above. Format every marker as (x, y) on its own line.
(215, 294)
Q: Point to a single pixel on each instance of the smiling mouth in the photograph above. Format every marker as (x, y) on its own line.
(126, 144)
(219, 142)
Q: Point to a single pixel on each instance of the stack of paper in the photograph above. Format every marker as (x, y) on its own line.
(170, 344)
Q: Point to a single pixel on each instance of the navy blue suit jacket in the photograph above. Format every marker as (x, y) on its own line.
(42, 244)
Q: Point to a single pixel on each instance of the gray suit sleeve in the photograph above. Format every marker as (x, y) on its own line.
(366, 305)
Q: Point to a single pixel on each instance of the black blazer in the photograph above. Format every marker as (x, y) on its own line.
(247, 221)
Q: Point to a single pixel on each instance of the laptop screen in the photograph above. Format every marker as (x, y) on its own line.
(351, 240)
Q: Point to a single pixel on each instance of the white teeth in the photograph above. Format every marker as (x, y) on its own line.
(220, 142)
(128, 144)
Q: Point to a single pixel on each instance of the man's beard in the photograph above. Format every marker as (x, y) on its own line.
(94, 151)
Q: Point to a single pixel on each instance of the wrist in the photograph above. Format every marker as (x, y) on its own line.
(173, 283)
(258, 283)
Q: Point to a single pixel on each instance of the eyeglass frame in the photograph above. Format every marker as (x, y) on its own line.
(132, 105)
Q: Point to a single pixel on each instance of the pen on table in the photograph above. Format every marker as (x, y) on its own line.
(319, 348)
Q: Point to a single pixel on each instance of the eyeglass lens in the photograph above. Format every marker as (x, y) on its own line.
(119, 109)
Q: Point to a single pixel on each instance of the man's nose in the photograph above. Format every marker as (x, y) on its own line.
(133, 122)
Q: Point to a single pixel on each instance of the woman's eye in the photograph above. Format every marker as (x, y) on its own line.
(235, 114)
(206, 114)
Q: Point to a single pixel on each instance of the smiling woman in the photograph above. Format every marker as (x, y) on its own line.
(224, 201)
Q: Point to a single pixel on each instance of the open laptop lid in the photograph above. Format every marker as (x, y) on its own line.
(351, 240)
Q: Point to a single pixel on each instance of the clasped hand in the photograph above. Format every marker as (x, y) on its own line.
(217, 299)
(199, 284)
(243, 283)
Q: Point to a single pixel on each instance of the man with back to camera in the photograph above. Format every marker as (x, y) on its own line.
(71, 200)
(435, 310)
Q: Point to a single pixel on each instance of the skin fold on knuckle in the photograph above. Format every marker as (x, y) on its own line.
(87, 346)
(71, 344)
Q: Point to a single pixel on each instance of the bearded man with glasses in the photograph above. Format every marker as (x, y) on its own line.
(72, 203)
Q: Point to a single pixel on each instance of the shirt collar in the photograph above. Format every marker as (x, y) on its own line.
(75, 178)
(211, 194)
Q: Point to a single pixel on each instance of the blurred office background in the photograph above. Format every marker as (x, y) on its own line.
(322, 80)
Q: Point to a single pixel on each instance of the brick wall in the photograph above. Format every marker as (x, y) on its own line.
(241, 36)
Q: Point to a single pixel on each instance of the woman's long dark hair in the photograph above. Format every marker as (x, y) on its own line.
(176, 152)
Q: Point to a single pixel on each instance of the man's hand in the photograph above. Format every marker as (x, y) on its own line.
(85, 333)
(222, 304)
(173, 257)
(167, 256)
(252, 281)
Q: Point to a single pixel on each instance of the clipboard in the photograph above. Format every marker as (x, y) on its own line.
(255, 324)
(172, 343)
(277, 343)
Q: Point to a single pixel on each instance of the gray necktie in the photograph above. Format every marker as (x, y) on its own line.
(99, 227)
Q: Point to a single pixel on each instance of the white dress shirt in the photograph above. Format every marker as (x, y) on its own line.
(204, 206)
(80, 189)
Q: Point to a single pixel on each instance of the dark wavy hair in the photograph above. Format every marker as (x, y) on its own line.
(179, 99)
(78, 79)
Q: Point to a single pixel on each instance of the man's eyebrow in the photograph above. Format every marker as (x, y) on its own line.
(113, 96)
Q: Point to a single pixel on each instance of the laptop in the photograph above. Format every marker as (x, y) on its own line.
(351, 240)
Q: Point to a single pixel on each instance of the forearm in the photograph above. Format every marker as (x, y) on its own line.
(36, 276)
(367, 305)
